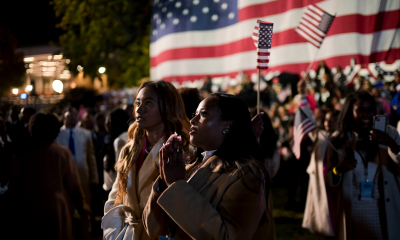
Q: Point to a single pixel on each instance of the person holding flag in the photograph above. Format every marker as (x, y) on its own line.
(318, 214)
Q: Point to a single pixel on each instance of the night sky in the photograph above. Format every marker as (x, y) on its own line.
(32, 22)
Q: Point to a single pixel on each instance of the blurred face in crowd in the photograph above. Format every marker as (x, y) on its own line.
(71, 118)
(207, 126)
(87, 121)
(330, 122)
(147, 111)
(24, 116)
(101, 123)
(363, 112)
(375, 92)
(397, 77)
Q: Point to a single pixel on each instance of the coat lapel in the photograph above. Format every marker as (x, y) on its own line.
(204, 176)
(150, 165)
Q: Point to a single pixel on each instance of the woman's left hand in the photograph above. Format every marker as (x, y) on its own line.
(384, 139)
(172, 165)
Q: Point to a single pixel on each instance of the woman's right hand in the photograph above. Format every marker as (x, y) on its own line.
(348, 163)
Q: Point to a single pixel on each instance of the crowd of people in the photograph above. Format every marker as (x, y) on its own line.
(188, 163)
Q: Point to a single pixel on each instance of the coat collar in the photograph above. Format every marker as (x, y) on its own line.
(149, 165)
(204, 176)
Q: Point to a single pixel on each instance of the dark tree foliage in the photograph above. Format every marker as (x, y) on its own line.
(111, 33)
(12, 66)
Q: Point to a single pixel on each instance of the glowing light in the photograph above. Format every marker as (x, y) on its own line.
(102, 70)
(58, 86)
(15, 91)
(28, 88)
(79, 68)
(58, 57)
(73, 85)
(29, 59)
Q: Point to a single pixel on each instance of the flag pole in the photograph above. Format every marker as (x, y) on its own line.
(258, 92)
(311, 63)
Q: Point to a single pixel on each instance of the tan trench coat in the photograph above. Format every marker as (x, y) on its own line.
(125, 222)
(390, 172)
(210, 206)
(316, 214)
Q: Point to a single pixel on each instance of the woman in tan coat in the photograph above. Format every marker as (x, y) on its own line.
(159, 112)
(364, 172)
(222, 192)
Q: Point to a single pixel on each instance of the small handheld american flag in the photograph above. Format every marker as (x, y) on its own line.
(262, 36)
(302, 126)
(314, 25)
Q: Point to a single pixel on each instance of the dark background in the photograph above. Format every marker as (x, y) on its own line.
(31, 22)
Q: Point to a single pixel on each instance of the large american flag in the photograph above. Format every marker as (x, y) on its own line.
(302, 126)
(315, 24)
(194, 38)
(262, 37)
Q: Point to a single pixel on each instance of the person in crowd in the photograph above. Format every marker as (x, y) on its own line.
(382, 105)
(159, 112)
(43, 174)
(79, 141)
(395, 104)
(317, 213)
(99, 196)
(207, 86)
(6, 161)
(363, 169)
(248, 94)
(223, 193)
(387, 92)
(340, 80)
(100, 139)
(87, 122)
(268, 140)
(117, 127)
(319, 114)
(191, 98)
(379, 81)
(19, 131)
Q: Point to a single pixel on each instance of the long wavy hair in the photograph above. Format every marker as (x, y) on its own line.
(240, 150)
(345, 121)
(174, 118)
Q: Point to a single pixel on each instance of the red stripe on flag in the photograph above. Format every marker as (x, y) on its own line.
(342, 61)
(271, 8)
(344, 24)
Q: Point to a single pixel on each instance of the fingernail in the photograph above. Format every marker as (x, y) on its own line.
(179, 137)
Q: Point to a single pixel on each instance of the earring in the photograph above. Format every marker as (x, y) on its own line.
(225, 131)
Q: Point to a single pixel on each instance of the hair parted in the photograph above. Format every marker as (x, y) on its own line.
(173, 114)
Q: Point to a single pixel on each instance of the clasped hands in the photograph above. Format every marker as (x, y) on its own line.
(171, 161)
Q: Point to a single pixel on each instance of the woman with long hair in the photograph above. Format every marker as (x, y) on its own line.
(221, 193)
(363, 169)
(159, 112)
